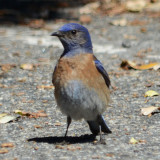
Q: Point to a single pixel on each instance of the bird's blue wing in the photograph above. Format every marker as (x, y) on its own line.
(101, 69)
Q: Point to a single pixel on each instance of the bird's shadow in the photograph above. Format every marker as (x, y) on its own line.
(64, 140)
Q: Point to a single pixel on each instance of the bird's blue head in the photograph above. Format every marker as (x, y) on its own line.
(75, 39)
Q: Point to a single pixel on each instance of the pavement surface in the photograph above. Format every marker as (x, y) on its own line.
(40, 138)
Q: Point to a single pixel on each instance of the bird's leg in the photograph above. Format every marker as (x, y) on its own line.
(102, 139)
(68, 124)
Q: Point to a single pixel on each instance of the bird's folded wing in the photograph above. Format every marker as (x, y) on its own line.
(103, 72)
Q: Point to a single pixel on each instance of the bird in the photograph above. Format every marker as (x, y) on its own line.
(80, 80)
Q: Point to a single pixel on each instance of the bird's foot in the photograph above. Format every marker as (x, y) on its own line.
(102, 140)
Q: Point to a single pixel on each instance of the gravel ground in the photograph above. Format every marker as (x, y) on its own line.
(42, 138)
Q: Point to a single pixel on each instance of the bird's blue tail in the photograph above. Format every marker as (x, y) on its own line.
(95, 126)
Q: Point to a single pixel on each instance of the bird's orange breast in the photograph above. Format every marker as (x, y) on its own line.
(81, 68)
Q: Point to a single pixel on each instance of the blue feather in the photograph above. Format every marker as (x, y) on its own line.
(103, 72)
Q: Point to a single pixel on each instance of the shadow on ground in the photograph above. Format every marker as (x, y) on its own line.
(71, 140)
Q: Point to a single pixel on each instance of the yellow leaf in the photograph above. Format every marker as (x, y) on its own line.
(147, 66)
(27, 66)
(148, 110)
(131, 65)
(151, 93)
(18, 112)
(31, 115)
(133, 141)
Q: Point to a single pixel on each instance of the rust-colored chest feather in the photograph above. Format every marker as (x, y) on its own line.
(81, 68)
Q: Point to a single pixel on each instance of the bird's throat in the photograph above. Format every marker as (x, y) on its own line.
(76, 51)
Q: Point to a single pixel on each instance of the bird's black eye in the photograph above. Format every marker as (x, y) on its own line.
(74, 32)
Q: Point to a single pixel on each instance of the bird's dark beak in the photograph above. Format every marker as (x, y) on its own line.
(57, 34)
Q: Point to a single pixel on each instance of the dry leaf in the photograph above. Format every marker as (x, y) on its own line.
(119, 22)
(37, 126)
(110, 155)
(9, 144)
(142, 141)
(7, 67)
(22, 79)
(27, 101)
(131, 65)
(57, 124)
(3, 150)
(135, 95)
(35, 148)
(59, 147)
(45, 87)
(16, 54)
(7, 118)
(27, 66)
(143, 29)
(20, 112)
(43, 59)
(73, 148)
(132, 37)
(96, 157)
(149, 84)
(156, 67)
(85, 19)
(89, 8)
(39, 114)
(31, 115)
(136, 5)
(136, 22)
(45, 101)
(115, 9)
(133, 141)
(148, 110)
(151, 93)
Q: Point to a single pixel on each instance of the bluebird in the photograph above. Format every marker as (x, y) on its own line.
(80, 80)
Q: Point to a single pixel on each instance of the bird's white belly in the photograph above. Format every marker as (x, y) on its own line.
(78, 101)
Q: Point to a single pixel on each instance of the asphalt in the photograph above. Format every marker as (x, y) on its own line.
(43, 137)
